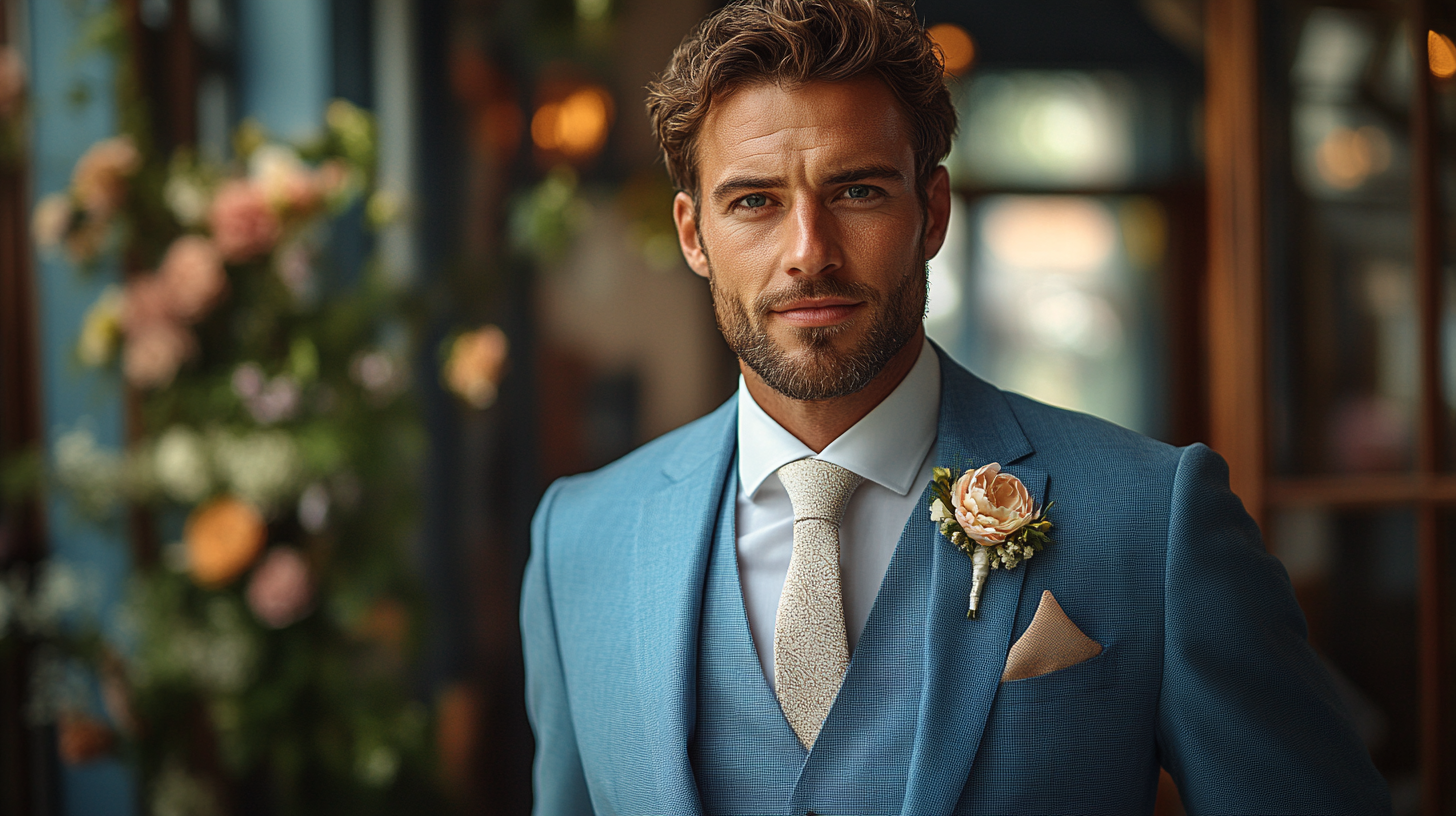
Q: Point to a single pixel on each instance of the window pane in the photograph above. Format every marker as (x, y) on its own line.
(1059, 301)
(1343, 344)
(1354, 573)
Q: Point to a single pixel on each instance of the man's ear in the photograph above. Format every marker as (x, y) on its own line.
(937, 211)
(685, 215)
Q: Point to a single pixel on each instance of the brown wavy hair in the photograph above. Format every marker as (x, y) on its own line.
(793, 42)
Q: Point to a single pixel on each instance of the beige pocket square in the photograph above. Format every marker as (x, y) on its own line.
(1050, 643)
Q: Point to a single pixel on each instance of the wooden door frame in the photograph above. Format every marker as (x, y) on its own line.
(1239, 395)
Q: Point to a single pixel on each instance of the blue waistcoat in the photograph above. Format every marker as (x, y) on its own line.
(745, 756)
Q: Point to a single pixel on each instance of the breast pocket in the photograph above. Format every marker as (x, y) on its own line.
(1097, 673)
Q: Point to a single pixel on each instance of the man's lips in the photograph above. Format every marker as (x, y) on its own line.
(818, 312)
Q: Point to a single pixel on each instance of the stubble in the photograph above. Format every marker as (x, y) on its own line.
(816, 370)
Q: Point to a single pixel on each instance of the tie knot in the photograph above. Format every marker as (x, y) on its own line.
(818, 489)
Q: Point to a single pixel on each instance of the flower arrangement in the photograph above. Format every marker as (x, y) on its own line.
(275, 419)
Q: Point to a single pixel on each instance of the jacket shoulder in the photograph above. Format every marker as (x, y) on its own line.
(1059, 432)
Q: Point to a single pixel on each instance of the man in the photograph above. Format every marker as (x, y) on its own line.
(757, 614)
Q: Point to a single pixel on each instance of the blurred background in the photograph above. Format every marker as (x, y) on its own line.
(304, 302)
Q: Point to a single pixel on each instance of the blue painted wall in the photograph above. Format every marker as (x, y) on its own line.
(284, 64)
(71, 395)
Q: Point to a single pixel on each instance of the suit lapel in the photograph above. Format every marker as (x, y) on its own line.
(674, 537)
(964, 658)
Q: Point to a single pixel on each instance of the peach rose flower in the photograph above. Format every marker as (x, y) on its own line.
(476, 364)
(100, 178)
(193, 276)
(991, 505)
(153, 353)
(243, 224)
(281, 589)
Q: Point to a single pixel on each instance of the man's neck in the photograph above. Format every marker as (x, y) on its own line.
(816, 423)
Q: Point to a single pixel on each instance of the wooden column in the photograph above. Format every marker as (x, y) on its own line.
(1236, 300)
(21, 527)
(1431, 452)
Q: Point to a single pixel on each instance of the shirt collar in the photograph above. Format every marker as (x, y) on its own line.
(887, 446)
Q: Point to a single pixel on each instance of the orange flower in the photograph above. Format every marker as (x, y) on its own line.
(387, 623)
(12, 81)
(223, 538)
(476, 364)
(80, 739)
(457, 735)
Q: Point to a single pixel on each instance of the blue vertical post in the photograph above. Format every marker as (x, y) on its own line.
(285, 56)
(63, 128)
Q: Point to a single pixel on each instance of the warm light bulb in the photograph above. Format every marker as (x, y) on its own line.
(956, 46)
(1442, 55)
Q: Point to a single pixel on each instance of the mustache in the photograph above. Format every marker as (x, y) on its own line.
(823, 287)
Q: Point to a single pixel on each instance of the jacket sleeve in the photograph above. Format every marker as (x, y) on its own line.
(558, 780)
(1248, 719)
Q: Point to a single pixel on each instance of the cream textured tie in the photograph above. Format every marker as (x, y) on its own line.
(811, 651)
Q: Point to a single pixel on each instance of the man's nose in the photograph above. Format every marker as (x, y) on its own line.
(813, 240)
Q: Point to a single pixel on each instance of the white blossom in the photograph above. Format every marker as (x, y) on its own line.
(263, 467)
(181, 464)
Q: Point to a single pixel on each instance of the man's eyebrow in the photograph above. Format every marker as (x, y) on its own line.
(866, 173)
(730, 187)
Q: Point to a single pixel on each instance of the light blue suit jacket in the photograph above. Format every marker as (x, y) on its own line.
(1205, 668)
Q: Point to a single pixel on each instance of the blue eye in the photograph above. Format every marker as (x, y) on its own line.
(754, 201)
(859, 191)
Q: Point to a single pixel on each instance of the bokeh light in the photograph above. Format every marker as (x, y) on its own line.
(1347, 157)
(1065, 234)
(575, 126)
(1442, 54)
(956, 45)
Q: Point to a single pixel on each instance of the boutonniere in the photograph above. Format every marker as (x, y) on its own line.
(990, 517)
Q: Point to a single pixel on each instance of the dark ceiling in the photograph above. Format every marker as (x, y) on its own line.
(1086, 34)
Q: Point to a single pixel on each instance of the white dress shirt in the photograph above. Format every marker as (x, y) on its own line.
(892, 447)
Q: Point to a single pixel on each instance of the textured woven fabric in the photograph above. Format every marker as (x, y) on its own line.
(745, 756)
(1205, 669)
(1050, 643)
(811, 650)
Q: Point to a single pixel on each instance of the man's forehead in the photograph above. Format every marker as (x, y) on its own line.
(766, 123)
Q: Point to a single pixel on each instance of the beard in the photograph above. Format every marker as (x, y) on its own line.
(817, 370)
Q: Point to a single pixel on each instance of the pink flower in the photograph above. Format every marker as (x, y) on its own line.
(145, 302)
(332, 178)
(12, 81)
(991, 505)
(281, 590)
(243, 224)
(154, 351)
(193, 276)
(100, 179)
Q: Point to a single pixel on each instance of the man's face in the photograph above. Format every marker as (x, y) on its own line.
(810, 232)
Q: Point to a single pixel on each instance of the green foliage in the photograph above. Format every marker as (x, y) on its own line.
(289, 396)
